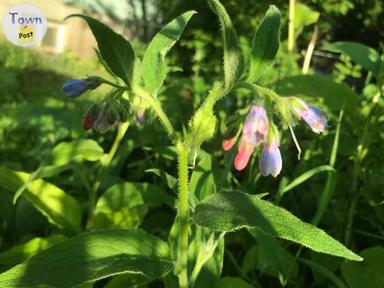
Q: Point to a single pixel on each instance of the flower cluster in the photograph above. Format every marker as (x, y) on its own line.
(102, 116)
(259, 130)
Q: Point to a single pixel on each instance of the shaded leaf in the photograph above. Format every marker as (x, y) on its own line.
(116, 51)
(367, 274)
(90, 257)
(365, 56)
(230, 282)
(230, 211)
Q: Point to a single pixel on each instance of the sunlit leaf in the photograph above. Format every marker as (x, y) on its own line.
(60, 208)
(265, 43)
(154, 66)
(233, 59)
(90, 257)
(230, 211)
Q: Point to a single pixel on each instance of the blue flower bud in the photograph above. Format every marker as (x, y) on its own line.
(74, 88)
(270, 161)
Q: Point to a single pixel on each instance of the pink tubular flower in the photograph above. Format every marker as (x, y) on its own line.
(254, 132)
(270, 161)
(228, 143)
(314, 117)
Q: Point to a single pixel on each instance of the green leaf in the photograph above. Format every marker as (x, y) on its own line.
(269, 257)
(202, 182)
(154, 67)
(307, 175)
(171, 181)
(60, 208)
(367, 274)
(365, 56)
(20, 253)
(233, 60)
(67, 152)
(265, 44)
(116, 51)
(231, 282)
(121, 206)
(323, 87)
(230, 211)
(90, 257)
(304, 16)
(324, 271)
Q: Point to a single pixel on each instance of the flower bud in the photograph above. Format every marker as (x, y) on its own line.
(313, 116)
(228, 143)
(270, 161)
(91, 116)
(74, 88)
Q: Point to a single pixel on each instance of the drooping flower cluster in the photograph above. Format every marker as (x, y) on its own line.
(257, 130)
(102, 116)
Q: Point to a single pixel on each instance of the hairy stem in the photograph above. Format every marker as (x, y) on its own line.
(156, 106)
(104, 164)
(183, 215)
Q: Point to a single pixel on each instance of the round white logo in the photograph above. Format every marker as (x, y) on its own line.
(25, 25)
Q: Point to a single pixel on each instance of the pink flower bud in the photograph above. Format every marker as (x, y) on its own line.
(243, 155)
(228, 143)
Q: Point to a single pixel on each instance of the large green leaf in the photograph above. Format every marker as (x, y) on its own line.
(121, 206)
(265, 44)
(154, 67)
(230, 211)
(66, 152)
(90, 257)
(323, 87)
(233, 60)
(363, 55)
(367, 274)
(20, 253)
(116, 51)
(60, 208)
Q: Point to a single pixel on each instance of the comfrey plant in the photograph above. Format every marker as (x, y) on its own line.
(193, 255)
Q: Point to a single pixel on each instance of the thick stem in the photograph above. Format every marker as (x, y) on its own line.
(104, 163)
(183, 215)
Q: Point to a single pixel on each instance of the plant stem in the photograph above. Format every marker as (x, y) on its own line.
(156, 106)
(183, 215)
(360, 155)
(291, 25)
(104, 163)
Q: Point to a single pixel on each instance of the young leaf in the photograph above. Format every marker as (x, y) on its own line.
(154, 67)
(363, 55)
(265, 43)
(60, 208)
(116, 51)
(230, 211)
(90, 257)
(233, 60)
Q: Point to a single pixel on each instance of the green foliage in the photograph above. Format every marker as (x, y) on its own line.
(368, 273)
(154, 65)
(230, 211)
(116, 51)
(265, 44)
(92, 256)
(233, 61)
(361, 54)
